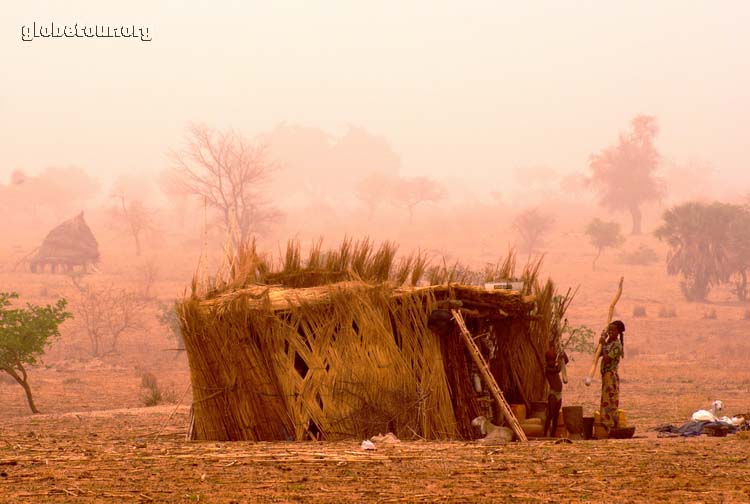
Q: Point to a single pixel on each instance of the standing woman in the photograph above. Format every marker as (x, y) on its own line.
(612, 351)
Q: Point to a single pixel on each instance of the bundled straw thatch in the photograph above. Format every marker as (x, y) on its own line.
(70, 244)
(339, 348)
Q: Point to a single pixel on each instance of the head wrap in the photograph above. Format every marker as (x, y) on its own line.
(619, 325)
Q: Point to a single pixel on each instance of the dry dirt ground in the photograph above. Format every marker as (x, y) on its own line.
(95, 442)
(137, 455)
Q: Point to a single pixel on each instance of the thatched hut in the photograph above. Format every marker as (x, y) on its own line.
(275, 358)
(68, 245)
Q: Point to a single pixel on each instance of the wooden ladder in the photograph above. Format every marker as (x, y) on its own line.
(488, 378)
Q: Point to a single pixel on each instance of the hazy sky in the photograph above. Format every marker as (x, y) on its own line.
(474, 89)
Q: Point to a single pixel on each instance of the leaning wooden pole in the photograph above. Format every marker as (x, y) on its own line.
(598, 352)
(488, 378)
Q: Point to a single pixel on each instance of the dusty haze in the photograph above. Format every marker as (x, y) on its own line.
(470, 93)
(498, 105)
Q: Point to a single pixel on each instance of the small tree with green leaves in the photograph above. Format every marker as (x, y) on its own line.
(25, 334)
(167, 316)
(578, 339)
(603, 235)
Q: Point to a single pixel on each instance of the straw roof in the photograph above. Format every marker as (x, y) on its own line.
(355, 356)
(277, 297)
(70, 242)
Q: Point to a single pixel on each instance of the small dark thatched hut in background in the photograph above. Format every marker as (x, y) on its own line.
(68, 245)
(341, 348)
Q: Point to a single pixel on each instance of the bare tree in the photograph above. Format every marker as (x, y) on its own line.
(409, 192)
(138, 218)
(227, 172)
(105, 313)
(531, 226)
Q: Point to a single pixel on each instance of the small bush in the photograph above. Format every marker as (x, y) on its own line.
(710, 314)
(642, 256)
(639, 311)
(633, 352)
(148, 380)
(151, 393)
(746, 315)
(151, 397)
(667, 312)
(71, 381)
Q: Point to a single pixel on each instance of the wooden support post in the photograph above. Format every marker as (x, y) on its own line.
(488, 378)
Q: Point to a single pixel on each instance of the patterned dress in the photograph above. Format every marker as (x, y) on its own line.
(611, 355)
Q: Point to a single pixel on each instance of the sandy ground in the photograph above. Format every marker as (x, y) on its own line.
(95, 442)
(140, 455)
